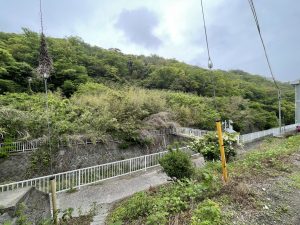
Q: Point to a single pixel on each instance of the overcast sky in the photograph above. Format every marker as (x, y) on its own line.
(174, 29)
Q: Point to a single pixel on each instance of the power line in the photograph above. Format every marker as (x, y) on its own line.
(41, 17)
(210, 64)
(252, 6)
(251, 3)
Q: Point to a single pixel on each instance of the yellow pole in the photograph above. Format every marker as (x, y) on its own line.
(54, 204)
(222, 151)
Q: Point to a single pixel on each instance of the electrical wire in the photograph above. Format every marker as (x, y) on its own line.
(252, 6)
(210, 64)
(251, 3)
(206, 38)
(41, 17)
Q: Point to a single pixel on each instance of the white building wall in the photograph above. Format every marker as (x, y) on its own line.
(297, 103)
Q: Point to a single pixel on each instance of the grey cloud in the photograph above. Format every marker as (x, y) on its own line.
(60, 16)
(235, 44)
(138, 25)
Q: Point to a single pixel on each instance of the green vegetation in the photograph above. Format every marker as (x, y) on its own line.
(203, 199)
(98, 92)
(296, 180)
(177, 164)
(208, 146)
(207, 213)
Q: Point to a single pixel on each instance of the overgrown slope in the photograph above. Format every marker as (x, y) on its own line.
(250, 101)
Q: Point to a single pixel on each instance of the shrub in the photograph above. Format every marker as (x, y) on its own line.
(3, 154)
(177, 164)
(208, 146)
(207, 213)
(4, 150)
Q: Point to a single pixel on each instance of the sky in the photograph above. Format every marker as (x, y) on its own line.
(174, 29)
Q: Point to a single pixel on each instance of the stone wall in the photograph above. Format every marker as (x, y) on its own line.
(16, 167)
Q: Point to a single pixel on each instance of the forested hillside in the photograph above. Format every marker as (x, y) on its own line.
(120, 102)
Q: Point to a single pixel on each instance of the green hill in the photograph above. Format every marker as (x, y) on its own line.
(119, 104)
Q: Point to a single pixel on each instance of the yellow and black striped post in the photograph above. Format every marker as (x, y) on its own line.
(222, 151)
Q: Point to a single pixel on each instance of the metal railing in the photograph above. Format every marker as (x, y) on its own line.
(189, 132)
(246, 138)
(19, 146)
(90, 175)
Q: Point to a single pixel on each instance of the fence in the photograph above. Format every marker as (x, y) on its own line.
(19, 146)
(189, 132)
(245, 138)
(86, 176)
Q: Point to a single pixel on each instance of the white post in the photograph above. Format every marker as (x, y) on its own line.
(79, 178)
(130, 166)
(145, 163)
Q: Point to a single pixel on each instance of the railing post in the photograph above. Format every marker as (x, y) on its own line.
(79, 178)
(130, 166)
(23, 147)
(145, 162)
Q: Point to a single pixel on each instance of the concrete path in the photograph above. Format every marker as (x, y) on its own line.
(103, 195)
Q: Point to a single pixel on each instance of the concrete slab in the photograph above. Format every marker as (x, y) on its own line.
(9, 199)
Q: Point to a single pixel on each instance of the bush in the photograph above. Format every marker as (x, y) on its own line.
(207, 213)
(177, 164)
(3, 154)
(208, 146)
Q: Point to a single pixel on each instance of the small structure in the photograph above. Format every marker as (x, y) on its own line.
(228, 126)
(296, 84)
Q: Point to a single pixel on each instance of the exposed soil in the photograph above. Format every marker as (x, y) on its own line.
(273, 198)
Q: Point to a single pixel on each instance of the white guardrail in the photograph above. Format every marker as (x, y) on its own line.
(90, 175)
(246, 138)
(19, 146)
(189, 132)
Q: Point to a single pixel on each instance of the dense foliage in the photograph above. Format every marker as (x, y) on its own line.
(209, 147)
(177, 164)
(250, 101)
